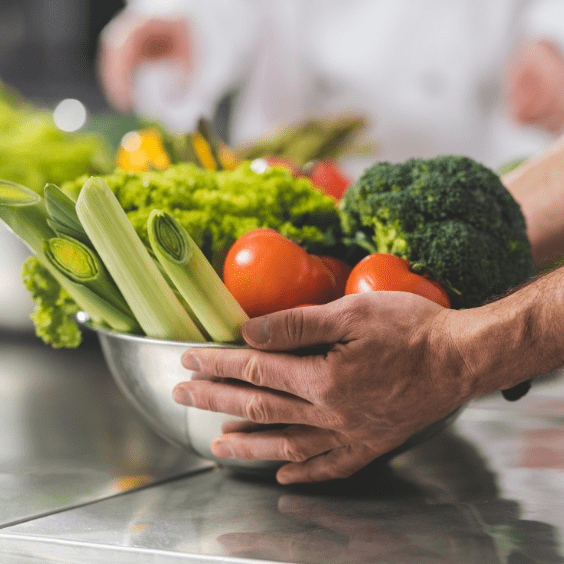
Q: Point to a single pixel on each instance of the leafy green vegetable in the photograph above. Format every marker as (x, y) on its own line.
(193, 275)
(449, 213)
(53, 315)
(148, 294)
(217, 208)
(34, 151)
(26, 213)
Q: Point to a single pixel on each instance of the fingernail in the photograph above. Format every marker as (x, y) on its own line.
(222, 450)
(257, 330)
(180, 395)
(191, 363)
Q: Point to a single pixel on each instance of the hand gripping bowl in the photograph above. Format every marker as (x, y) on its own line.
(146, 370)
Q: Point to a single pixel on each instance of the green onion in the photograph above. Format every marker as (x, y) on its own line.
(195, 278)
(83, 267)
(151, 299)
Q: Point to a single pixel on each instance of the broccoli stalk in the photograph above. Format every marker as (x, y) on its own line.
(449, 213)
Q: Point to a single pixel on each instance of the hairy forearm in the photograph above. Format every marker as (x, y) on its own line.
(513, 339)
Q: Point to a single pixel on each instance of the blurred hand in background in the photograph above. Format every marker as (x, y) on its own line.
(132, 40)
(535, 85)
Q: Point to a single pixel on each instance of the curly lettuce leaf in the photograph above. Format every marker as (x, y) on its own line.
(217, 208)
(54, 311)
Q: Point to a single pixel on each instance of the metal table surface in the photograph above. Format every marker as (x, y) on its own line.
(89, 484)
(67, 435)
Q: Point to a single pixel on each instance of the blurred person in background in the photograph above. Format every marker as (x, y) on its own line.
(474, 77)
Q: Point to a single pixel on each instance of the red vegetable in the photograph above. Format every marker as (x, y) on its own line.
(340, 271)
(276, 160)
(387, 272)
(267, 272)
(327, 176)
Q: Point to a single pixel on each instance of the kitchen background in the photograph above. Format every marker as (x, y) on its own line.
(47, 48)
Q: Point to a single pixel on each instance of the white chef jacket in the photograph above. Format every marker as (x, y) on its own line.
(426, 73)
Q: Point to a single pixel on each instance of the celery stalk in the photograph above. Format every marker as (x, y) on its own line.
(84, 268)
(195, 278)
(151, 299)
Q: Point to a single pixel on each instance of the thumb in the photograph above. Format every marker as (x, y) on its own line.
(296, 328)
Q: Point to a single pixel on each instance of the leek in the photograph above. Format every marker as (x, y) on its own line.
(151, 299)
(25, 213)
(83, 267)
(195, 278)
(62, 212)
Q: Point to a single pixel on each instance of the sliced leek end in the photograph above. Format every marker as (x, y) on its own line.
(14, 194)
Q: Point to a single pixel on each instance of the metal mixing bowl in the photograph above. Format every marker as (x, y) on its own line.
(146, 370)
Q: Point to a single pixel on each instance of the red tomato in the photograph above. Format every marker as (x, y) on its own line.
(276, 160)
(340, 271)
(387, 272)
(267, 272)
(328, 177)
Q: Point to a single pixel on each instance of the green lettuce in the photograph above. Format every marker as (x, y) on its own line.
(215, 208)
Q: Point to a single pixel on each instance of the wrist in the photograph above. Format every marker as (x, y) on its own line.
(513, 339)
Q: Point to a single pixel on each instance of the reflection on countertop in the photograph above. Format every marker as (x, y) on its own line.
(68, 436)
(488, 491)
(439, 503)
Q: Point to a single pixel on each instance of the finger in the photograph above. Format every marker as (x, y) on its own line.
(201, 376)
(255, 404)
(295, 443)
(300, 376)
(296, 328)
(243, 426)
(339, 463)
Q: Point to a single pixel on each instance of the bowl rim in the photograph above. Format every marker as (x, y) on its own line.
(83, 320)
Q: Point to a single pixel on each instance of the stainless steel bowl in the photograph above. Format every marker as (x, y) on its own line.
(146, 370)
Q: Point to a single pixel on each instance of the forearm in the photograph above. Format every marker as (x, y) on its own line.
(538, 186)
(514, 339)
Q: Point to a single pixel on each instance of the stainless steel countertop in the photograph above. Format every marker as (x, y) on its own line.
(489, 491)
(67, 436)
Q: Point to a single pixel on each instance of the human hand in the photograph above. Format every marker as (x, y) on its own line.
(534, 87)
(390, 370)
(132, 39)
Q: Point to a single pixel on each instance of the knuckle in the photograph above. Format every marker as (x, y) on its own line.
(339, 471)
(358, 309)
(256, 409)
(292, 451)
(339, 421)
(295, 325)
(252, 371)
(330, 392)
(206, 402)
(217, 367)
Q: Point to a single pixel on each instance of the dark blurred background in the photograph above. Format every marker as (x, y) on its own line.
(47, 48)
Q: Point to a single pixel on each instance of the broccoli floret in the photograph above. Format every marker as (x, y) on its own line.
(450, 213)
